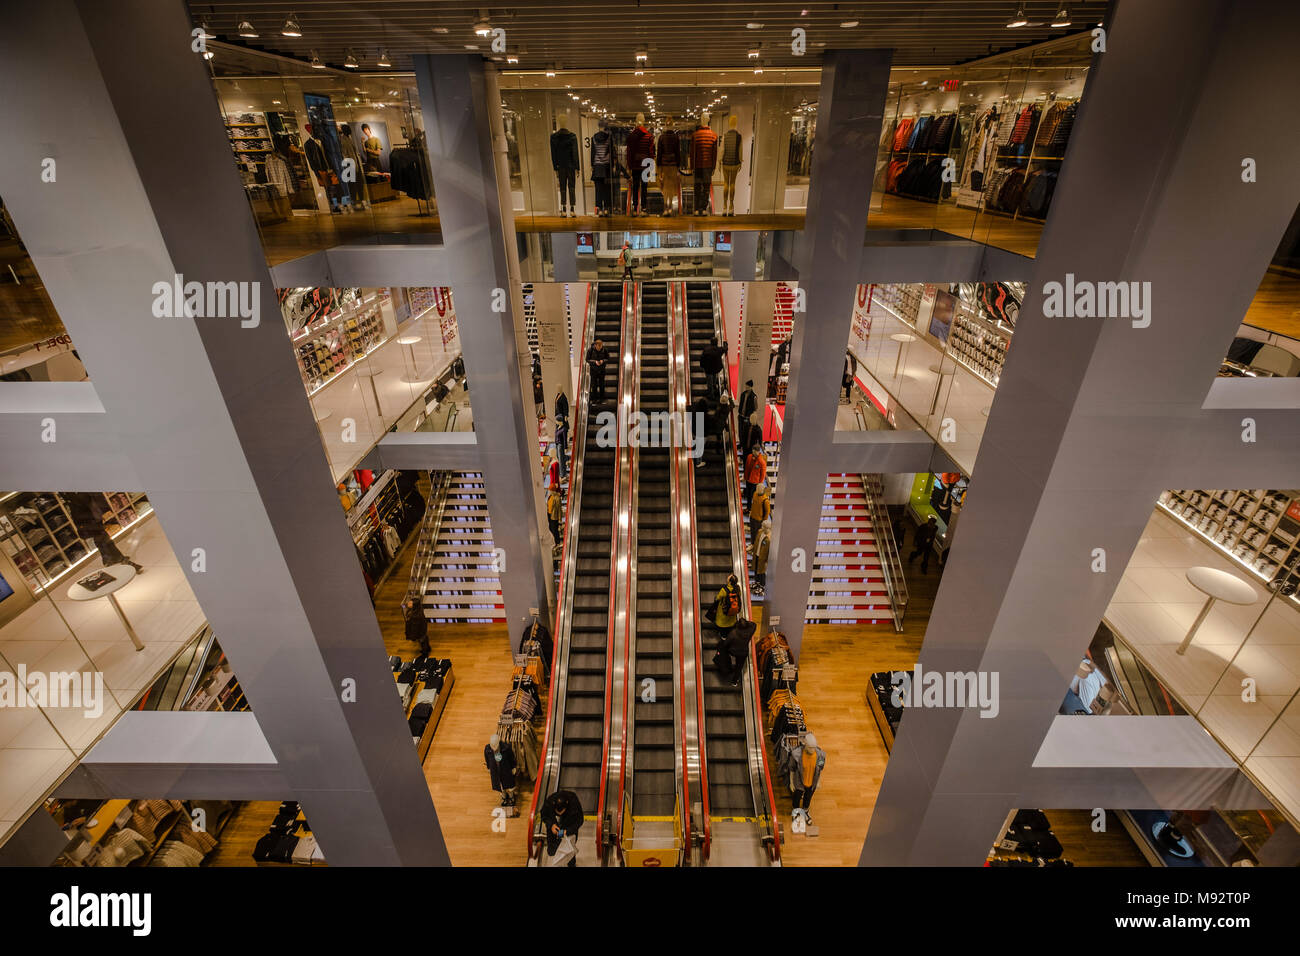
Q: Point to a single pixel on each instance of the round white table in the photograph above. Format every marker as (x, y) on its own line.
(941, 370)
(370, 373)
(902, 338)
(413, 376)
(121, 575)
(1217, 586)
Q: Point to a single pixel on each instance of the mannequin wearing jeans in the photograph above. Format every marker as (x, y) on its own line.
(732, 157)
(667, 160)
(602, 167)
(704, 157)
(564, 159)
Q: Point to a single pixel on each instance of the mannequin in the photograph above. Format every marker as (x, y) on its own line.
(640, 147)
(564, 160)
(805, 776)
(667, 162)
(704, 157)
(500, 760)
(732, 156)
(602, 167)
(321, 167)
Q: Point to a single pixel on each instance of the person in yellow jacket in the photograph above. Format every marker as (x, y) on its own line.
(727, 605)
(759, 510)
(554, 515)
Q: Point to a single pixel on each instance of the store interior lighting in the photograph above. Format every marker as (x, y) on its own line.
(383, 61)
(291, 27)
(1062, 18)
(351, 61)
(1018, 19)
(316, 63)
(483, 28)
(246, 29)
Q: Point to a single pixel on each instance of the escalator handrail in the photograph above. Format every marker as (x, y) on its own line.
(578, 443)
(681, 605)
(756, 709)
(613, 551)
(629, 594)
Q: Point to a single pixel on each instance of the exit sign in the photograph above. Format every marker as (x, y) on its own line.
(950, 85)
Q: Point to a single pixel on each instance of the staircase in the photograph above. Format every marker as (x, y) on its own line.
(462, 585)
(848, 583)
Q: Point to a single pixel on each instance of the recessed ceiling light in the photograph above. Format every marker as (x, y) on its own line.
(753, 53)
(275, 102)
(471, 46)
(204, 32)
(550, 72)
(208, 54)
(642, 55)
(758, 70)
(247, 29)
(848, 24)
(751, 25)
(441, 30)
(639, 73)
(291, 28)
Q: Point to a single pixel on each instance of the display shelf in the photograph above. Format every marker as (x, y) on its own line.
(1229, 521)
(37, 532)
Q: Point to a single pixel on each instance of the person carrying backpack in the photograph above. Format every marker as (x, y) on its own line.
(625, 260)
(726, 606)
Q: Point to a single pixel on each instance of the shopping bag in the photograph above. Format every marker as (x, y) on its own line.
(565, 852)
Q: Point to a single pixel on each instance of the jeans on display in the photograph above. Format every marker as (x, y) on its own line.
(703, 180)
(604, 195)
(638, 189)
(729, 174)
(566, 179)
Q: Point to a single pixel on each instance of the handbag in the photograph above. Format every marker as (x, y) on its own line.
(565, 852)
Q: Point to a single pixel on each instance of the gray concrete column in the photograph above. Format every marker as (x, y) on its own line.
(460, 104)
(212, 413)
(1091, 414)
(850, 106)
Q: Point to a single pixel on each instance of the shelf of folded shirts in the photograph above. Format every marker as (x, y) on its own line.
(343, 368)
(439, 705)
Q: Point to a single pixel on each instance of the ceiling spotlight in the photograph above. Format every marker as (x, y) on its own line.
(275, 102)
(1062, 18)
(383, 60)
(511, 58)
(550, 73)
(471, 46)
(1019, 19)
(351, 61)
(246, 29)
(758, 70)
(751, 25)
(291, 28)
(316, 64)
(208, 54)
(483, 28)
(753, 54)
(441, 30)
(639, 73)
(848, 24)
(642, 55)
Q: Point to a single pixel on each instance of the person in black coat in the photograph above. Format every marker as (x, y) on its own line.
(417, 625)
(561, 404)
(561, 814)
(923, 539)
(733, 651)
(711, 363)
(598, 360)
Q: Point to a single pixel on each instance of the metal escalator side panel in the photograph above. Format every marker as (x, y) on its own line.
(552, 739)
(759, 774)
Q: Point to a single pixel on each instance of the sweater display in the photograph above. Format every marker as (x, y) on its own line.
(704, 149)
(732, 148)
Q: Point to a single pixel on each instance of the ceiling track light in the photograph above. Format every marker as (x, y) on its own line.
(316, 63)
(753, 54)
(246, 29)
(1018, 19)
(642, 55)
(483, 28)
(511, 58)
(1062, 18)
(351, 61)
(291, 27)
(204, 32)
(383, 62)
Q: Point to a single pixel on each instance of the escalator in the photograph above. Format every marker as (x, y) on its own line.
(726, 751)
(653, 766)
(573, 752)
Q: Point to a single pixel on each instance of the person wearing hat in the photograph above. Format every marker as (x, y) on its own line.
(561, 814)
(804, 766)
(625, 260)
(759, 510)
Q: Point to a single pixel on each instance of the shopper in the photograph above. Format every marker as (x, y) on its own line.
(762, 545)
(562, 815)
(625, 260)
(554, 515)
(760, 509)
(711, 362)
(597, 360)
(846, 381)
(417, 625)
(562, 445)
(924, 541)
(88, 512)
(716, 426)
(755, 472)
(726, 605)
(748, 403)
(733, 651)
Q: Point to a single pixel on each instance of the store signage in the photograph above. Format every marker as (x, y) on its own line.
(33, 354)
(950, 85)
(1293, 510)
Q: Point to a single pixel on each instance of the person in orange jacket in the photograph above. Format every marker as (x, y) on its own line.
(755, 471)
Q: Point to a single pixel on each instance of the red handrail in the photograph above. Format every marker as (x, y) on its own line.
(753, 664)
(559, 593)
(633, 462)
(613, 544)
(681, 592)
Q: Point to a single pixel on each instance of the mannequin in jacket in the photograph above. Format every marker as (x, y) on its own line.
(804, 765)
(322, 168)
(704, 158)
(640, 148)
(667, 164)
(564, 160)
(602, 167)
(500, 760)
(732, 150)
